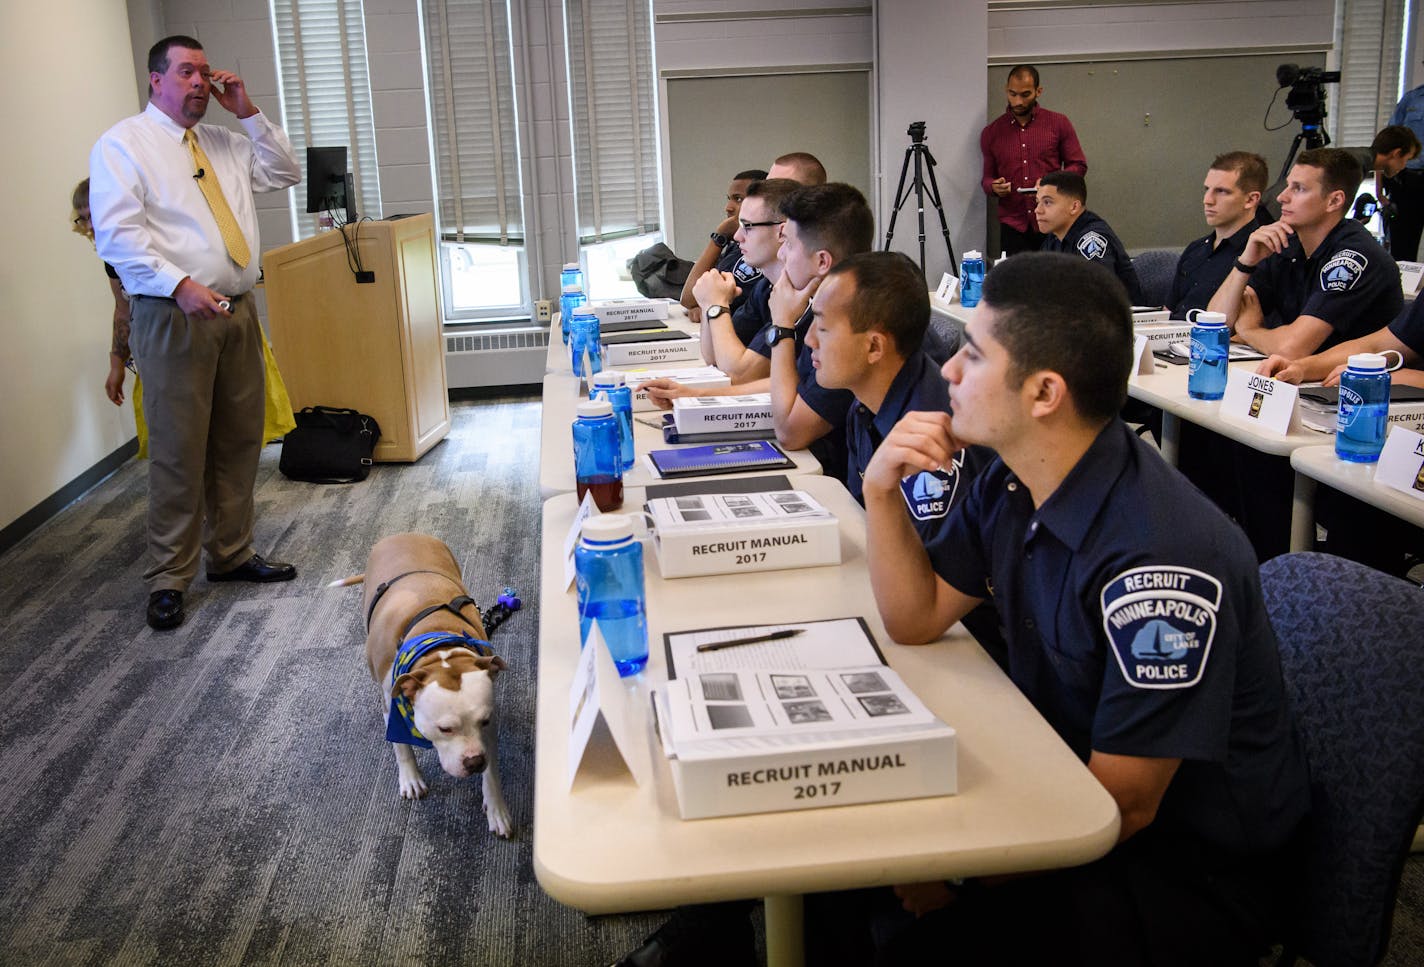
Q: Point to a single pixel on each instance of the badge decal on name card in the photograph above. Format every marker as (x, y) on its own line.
(929, 494)
(1342, 272)
(1161, 621)
(1092, 245)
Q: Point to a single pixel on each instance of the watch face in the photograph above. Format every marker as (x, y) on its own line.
(716, 311)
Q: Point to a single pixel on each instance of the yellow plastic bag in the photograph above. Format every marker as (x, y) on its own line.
(277, 418)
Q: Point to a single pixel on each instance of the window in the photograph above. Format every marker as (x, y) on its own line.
(606, 266)
(1370, 40)
(479, 203)
(326, 94)
(482, 281)
(613, 115)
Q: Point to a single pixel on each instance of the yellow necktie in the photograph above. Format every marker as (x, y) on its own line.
(207, 180)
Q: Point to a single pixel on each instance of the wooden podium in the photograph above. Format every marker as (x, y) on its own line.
(376, 347)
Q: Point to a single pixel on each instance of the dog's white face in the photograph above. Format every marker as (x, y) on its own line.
(453, 703)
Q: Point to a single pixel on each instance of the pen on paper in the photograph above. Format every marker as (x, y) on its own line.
(751, 640)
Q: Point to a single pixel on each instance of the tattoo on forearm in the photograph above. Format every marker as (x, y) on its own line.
(120, 345)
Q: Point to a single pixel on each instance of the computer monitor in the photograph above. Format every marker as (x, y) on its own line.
(329, 186)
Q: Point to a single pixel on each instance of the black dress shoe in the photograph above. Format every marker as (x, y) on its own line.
(165, 609)
(258, 570)
(703, 935)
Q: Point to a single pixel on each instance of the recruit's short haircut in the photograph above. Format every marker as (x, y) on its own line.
(1056, 312)
(1250, 168)
(751, 174)
(1396, 137)
(834, 217)
(1068, 183)
(1025, 69)
(772, 190)
(809, 170)
(1339, 169)
(158, 53)
(890, 295)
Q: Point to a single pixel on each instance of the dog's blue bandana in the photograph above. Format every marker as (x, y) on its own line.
(400, 723)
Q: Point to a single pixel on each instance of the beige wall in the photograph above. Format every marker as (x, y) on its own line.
(65, 85)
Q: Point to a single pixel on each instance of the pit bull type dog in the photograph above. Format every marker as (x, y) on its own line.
(426, 649)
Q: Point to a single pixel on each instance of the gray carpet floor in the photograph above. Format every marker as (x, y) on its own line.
(221, 794)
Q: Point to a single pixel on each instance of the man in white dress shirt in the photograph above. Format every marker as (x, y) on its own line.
(173, 212)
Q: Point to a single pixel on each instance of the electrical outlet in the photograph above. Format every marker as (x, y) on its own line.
(543, 310)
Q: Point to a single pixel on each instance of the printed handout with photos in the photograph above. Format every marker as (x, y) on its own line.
(712, 713)
(711, 511)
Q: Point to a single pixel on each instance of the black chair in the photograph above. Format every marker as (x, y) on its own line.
(1352, 654)
(1156, 267)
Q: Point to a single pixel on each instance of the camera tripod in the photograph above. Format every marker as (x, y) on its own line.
(924, 165)
(1312, 136)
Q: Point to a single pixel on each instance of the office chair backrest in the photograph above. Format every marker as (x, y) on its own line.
(1352, 654)
(1156, 268)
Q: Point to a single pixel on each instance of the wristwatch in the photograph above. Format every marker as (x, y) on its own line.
(717, 312)
(1243, 268)
(720, 239)
(776, 334)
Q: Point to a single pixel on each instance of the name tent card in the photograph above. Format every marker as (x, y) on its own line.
(1401, 463)
(1270, 403)
(601, 728)
(1410, 275)
(586, 510)
(1142, 359)
(948, 288)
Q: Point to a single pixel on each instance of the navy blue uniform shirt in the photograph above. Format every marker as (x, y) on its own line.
(1349, 281)
(931, 494)
(754, 314)
(1203, 266)
(730, 260)
(1094, 240)
(1133, 612)
(830, 405)
(1408, 328)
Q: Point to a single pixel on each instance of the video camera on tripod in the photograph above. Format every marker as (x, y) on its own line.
(1307, 91)
(1306, 101)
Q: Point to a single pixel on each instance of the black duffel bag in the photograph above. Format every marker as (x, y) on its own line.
(329, 445)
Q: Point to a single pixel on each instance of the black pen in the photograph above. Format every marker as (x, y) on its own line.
(752, 640)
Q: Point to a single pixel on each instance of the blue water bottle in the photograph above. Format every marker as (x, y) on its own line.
(1363, 417)
(608, 565)
(585, 344)
(571, 275)
(597, 467)
(571, 299)
(614, 388)
(971, 279)
(1211, 347)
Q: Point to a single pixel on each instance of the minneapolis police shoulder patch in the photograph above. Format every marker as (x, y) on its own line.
(1161, 620)
(1092, 245)
(744, 273)
(929, 494)
(1342, 271)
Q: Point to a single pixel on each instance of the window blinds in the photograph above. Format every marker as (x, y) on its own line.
(472, 116)
(1372, 32)
(611, 105)
(326, 92)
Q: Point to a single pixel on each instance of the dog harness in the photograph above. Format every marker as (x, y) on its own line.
(400, 723)
(454, 605)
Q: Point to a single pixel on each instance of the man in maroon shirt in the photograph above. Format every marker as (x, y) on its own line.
(1020, 146)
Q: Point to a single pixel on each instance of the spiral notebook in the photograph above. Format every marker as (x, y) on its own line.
(720, 458)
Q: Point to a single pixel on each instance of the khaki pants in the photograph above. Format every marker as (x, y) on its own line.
(203, 402)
